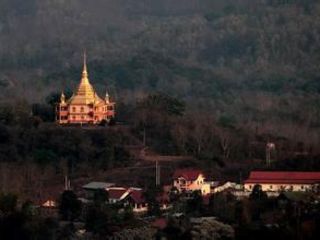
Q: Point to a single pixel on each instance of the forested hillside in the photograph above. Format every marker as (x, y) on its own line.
(252, 63)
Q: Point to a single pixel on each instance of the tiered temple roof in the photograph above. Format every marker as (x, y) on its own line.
(86, 93)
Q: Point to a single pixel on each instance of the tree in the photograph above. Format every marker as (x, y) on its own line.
(100, 197)
(97, 220)
(44, 111)
(69, 206)
(151, 195)
(257, 193)
(6, 115)
(8, 203)
(163, 103)
(223, 205)
(128, 214)
(258, 200)
(195, 204)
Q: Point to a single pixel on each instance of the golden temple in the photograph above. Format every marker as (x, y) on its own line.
(84, 107)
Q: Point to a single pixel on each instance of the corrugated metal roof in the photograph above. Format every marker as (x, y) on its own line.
(97, 185)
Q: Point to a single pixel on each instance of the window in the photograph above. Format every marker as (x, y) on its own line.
(73, 117)
(250, 186)
(302, 187)
(82, 117)
(110, 108)
(82, 109)
(73, 109)
(270, 186)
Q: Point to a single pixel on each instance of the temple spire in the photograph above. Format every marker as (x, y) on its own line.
(107, 98)
(84, 71)
(62, 98)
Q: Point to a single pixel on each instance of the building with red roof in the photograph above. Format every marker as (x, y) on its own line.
(283, 181)
(116, 194)
(189, 180)
(136, 200)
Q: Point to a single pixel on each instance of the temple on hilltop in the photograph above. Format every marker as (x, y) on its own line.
(85, 106)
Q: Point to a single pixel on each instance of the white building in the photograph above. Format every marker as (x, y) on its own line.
(189, 180)
(283, 181)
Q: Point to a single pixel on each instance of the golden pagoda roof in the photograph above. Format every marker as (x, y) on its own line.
(85, 94)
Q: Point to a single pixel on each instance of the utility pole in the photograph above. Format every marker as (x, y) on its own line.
(157, 174)
(67, 183)
(144, 136)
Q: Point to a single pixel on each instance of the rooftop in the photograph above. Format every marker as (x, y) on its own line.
(283, 177)
(137, 196)
(188, 174)
(117, 193)
(97, 185)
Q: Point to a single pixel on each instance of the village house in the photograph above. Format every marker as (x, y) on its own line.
(137, 201)
(92, 187)
(189, 180)
(116, 194)
(283, 181)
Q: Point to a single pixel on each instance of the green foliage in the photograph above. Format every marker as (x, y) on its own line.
(227, 121)
(163, 103)
(258, 199)
(28, 209)
(128, 215)
(4, 134)
(45, 112)
(151, 195)
(8, 203)
(194, 205)
(239, 58)
(257, 193)
(100, 197)
(45, 157)
(97, 220)
(69, 206)
(224, 206)
(6, 114)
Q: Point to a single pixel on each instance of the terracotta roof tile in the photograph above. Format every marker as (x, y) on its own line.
(116, 193)
(283, 177)
(137, 196)
(188, 174)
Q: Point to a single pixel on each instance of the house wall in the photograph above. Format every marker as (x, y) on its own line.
(272, 187)
(140, 208)
(225, 186)
(84, 113)
(182, 185)
(205, 189)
